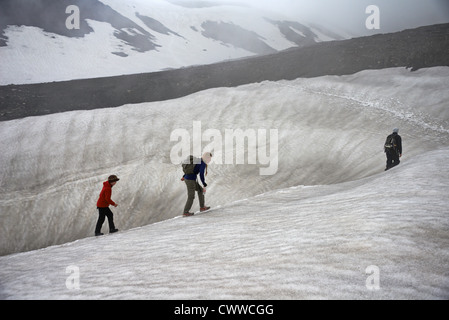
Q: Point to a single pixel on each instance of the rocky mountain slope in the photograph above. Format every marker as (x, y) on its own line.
(414, 49)
(46, 40)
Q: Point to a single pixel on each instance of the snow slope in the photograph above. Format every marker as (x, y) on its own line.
(303, 242)
(135, 36)
(330, 130)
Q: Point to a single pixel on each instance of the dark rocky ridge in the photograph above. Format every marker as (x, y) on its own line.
(416, 48)
(50, 16)
(229, 33)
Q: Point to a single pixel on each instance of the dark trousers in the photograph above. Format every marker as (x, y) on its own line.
(392, 159)
(193, 186)
(102, 214)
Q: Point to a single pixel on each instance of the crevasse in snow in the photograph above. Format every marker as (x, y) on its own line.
(330, 130)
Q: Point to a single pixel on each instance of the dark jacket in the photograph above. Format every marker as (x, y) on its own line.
(398, 142)
(200, 168)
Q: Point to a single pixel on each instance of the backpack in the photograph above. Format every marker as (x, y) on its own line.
(390, 143)
(188, 165)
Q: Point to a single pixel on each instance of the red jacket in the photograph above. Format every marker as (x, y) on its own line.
(104, 200)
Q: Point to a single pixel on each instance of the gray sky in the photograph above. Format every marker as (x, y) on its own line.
(395, 15)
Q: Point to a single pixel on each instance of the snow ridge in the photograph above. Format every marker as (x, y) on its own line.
(56, 164)
(295, 243)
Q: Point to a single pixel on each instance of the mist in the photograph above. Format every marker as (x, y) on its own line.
(350, 15)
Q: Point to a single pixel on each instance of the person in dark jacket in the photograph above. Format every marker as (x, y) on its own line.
(193, 185)
(103, 203)
(393, 149)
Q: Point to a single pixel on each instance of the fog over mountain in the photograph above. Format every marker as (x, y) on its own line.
(350, 15)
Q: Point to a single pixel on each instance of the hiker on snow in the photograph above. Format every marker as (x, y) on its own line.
(393, 149)
(103, 206)
(192, 167)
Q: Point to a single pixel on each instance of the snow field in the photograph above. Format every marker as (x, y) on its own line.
(308, 232)
(55, 165)
(302, 242)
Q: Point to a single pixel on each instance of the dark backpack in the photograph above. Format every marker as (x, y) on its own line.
(390, 143)
(188, 165)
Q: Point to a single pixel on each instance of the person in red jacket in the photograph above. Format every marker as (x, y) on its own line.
(103, 203)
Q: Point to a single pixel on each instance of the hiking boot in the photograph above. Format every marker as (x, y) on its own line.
(188, 214)
(113, 230)
(204, 209)
(98, 234)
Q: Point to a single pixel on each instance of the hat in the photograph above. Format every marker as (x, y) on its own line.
(396, 130)
(207, 157)
(113, 178)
